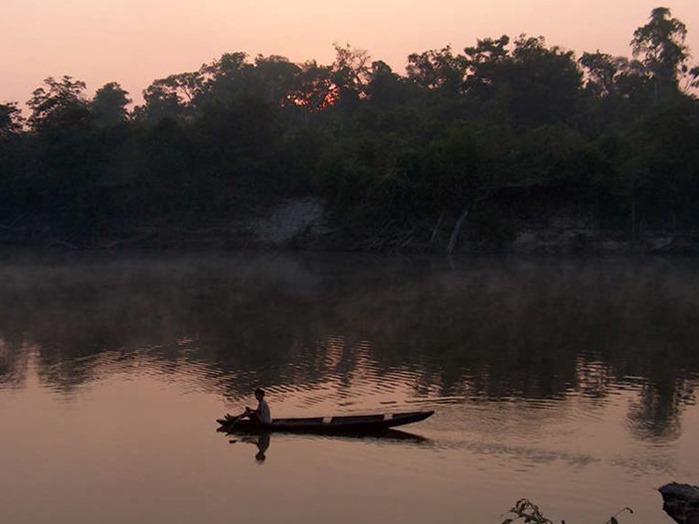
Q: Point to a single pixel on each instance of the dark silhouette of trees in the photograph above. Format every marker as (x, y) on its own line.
(531, 83)
(609, 76)
(509, 130)
(660, 46)
(58, 104)
(109, 104)
(438, 69)
(11, 120)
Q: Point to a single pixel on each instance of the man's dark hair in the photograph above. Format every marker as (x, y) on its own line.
(260, 391)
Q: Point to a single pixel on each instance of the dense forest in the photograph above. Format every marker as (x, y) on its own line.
(508, 131)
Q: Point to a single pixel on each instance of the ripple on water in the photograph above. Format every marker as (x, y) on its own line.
(368, 385)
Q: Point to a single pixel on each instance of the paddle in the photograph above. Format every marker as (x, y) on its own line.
(232, 420)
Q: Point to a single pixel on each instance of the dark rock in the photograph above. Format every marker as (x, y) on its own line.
(681, 502)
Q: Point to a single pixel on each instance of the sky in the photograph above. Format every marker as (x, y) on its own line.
(134, 42)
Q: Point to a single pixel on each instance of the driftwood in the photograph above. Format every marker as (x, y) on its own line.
(457, 229)
(436, 229)
(681, 502)
(390, 237)
(63, 243)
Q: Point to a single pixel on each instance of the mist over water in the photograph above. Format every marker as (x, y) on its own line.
(568, 381)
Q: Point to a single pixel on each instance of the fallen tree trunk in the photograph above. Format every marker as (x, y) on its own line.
(436, 229)
(457, 229)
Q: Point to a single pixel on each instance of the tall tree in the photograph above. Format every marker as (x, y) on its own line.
(11, 120)
(109, 104)
(608, 76)
(351, 73)
(274, 78)
(601, 69)
(546, 82)
(224, 79)
(172, 96)
(660, 46)
(533, 83)
(385, 88)
(314, 88)
(484, 60)
(58, 103)
(438, 69)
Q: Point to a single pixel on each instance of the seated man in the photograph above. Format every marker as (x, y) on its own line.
(260, 415)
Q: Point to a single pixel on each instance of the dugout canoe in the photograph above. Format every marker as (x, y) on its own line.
(336, 424)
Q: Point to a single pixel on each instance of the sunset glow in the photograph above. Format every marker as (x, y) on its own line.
(134, 42)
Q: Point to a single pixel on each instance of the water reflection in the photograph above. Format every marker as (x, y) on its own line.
(261, 441)
(321, 332)
(656, 415)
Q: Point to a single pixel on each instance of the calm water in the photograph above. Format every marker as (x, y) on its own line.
(569, 382)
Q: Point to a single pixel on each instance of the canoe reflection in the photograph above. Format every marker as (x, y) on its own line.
(262, 439)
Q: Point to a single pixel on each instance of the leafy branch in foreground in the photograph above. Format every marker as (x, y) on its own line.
(530, 513)
(613, 519)
(527, 510)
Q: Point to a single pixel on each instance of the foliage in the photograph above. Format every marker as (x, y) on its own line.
(109, 104)
(614, 520)
(58, 103)
(11, 120)
(529, 512)
(660, 44)
(508, 130)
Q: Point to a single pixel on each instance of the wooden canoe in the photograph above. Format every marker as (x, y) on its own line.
(337, 424)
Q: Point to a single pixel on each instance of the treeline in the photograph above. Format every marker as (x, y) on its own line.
(505, 130)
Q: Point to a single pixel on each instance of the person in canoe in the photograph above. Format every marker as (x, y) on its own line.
(261, 415)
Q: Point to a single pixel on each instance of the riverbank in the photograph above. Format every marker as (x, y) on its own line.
(302, 224)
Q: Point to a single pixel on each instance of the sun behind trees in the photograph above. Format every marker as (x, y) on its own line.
(507, 134)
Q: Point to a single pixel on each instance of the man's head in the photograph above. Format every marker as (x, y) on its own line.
(259, 394)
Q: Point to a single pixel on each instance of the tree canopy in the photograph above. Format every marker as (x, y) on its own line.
(505, 131)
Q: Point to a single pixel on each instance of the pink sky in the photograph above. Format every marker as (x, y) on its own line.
(134, 42)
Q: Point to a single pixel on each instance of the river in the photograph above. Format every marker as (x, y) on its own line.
(571, 382)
